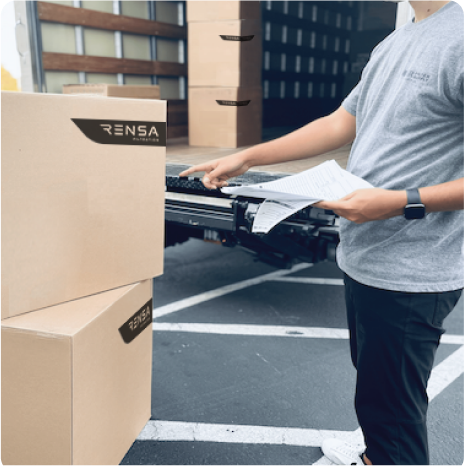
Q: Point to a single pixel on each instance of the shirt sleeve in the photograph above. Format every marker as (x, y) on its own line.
(351, 101)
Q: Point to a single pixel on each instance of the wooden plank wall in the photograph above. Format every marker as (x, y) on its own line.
(107, 21)
(51, 12)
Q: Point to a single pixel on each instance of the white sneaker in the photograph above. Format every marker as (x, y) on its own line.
(342, 453)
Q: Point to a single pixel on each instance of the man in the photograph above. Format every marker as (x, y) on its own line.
(401, 242)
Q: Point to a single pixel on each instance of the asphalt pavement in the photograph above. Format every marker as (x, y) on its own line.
(251, 365)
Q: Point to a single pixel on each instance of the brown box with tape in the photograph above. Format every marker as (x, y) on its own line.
(226, 117)
(225, 53)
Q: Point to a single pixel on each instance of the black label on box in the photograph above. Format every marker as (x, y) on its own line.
(228, 37)
(123, 132)
(137, 323)
(234, 103)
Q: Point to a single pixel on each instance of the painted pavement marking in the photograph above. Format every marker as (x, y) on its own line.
(253, 330)
(208, 295)
(172, 431)
(164, 431)
(272, 331)
(325, 281)
(442, 375)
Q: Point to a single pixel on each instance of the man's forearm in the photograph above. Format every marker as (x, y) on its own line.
(443, 197)
(318, 137)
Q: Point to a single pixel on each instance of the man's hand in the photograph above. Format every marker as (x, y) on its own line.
(219, 170)
(365, 205)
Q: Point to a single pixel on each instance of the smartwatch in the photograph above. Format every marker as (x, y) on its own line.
(414, 209)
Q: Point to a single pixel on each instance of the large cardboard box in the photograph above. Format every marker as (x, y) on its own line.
(76, 379)
(83, 183)
(113, 90)
(222, 10)
(227, 117)
(225, 53)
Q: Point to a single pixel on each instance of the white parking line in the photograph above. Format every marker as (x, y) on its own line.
(168, 431)
(253, 330)
(445, 373)
(452, 339)
(172, 431)
(325, 281)
(442, 375)
(221, 291)
(272, 331)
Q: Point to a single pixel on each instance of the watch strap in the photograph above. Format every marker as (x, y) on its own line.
(413, 196)
(414, 209)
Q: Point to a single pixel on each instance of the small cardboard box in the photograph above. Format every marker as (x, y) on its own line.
(83, 181)
(112, 90)
(225, 117)
(223, 10)
(225, 53)
(76, 379)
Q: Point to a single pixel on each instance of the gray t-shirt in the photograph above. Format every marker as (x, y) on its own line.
(409, 133)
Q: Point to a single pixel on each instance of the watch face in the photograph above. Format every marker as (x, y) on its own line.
(414, 211)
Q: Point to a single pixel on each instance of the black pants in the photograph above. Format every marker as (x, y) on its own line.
(393, 339)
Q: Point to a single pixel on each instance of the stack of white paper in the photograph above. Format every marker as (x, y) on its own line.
(285, 196)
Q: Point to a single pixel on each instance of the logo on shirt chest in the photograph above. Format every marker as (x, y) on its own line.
(414, 76)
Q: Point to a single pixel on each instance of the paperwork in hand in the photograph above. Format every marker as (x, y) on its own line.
(288, 195)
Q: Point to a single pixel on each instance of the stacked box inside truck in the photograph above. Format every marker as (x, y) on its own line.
(82, 238)
(225, 94)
